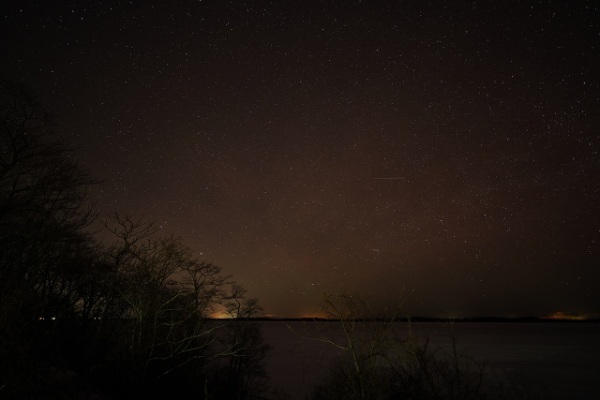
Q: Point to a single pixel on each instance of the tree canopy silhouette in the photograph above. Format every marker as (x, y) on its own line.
(135, 313)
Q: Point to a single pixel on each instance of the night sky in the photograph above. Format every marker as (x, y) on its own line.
(444, 155)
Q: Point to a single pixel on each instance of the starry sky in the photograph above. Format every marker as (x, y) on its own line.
(439, 154)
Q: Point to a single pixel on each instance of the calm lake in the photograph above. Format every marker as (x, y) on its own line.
(561, 358)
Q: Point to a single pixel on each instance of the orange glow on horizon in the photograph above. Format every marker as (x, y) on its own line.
(220, 315)
(565, 316)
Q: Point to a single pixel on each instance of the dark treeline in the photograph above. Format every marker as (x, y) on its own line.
(408, 320)
(85, 319)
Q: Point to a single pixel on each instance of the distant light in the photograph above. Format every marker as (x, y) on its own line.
(559, 315)
(221, 315)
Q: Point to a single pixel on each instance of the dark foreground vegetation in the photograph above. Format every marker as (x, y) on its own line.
(130, 316)
(380, 360)
(80, 318)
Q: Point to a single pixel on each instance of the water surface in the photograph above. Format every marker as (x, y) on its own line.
(561, 358)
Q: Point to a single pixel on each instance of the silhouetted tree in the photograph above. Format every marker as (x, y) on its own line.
(137, 312)
(169, 297)
(44, 213)
(246, 351)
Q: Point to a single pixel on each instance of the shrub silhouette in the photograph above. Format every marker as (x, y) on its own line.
(380, 362)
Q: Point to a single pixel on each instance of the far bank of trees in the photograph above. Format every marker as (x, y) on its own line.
(79, 316)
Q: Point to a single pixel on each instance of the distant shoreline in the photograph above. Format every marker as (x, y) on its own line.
(541, 320)
(431, 319)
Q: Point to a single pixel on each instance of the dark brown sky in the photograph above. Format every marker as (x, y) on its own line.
(261, 132)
